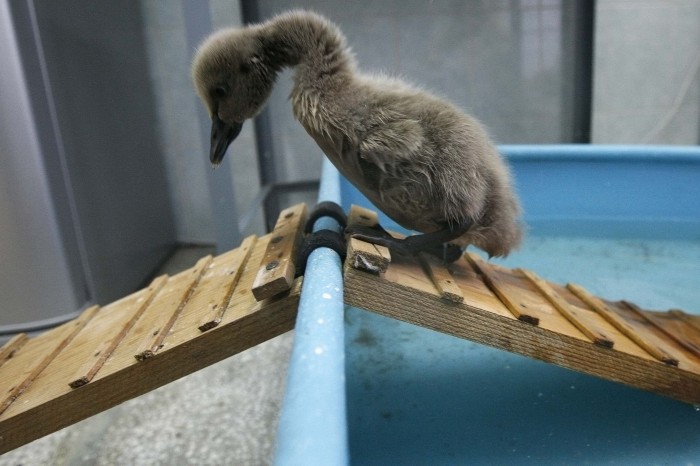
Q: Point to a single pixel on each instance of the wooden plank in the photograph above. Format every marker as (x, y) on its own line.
(622, 342)
(50, 404)
(623, 325)
(674, 355)
(277, 267)
(576, 317)
(675, 329)
(94, 362)
(82, 350)
(362, 255)
(34, 370)
(222, 278)
(692, 320)
(14, 370)
(678, 354)
(11, 347)
(476, 293)
(494, 298)
(443, 281)
(155, 342)
(508, 297)
(392, 296)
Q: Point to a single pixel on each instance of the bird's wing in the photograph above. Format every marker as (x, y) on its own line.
(392, 142)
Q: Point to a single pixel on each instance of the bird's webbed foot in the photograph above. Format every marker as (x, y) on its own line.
(435, 243)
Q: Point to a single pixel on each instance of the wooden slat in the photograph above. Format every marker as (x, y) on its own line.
(576, 317)
(172, 306)
(692, 320)
(35, 369)
(622, 342)
(476, 292)
(444, 282)
(530, 299)
(675, 329)
(362, 255)
(15, 369)
(500, 289)
(678, 356)
(104, 350)
(11, 347)
(628, 329)
(277, 267)
(82, 350)
(221, 280)
(50, 404)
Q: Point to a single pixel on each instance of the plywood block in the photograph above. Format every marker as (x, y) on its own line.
(362, 255)
(277, 266)
(368, 257)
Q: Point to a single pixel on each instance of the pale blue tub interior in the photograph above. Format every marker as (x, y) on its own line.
(622, 221)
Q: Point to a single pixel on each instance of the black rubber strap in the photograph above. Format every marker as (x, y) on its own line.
(326, 209)
(320, 239)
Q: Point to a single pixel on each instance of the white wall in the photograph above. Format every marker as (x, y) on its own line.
(647, 72)
(184, 150)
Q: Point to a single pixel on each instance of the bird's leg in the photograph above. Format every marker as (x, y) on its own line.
(375, 234)
(434, 243)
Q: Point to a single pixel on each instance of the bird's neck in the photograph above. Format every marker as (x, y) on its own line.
(315, 47)
(324, 67)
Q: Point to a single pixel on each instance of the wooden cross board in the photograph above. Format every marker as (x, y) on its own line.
(226, 304)
(515, 310)
(175, 326)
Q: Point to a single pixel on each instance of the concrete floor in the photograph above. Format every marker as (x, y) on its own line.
(224, 414)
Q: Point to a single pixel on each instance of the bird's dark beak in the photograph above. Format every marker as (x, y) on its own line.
(222, 135)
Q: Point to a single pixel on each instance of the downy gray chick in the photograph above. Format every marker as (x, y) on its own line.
(418, 158)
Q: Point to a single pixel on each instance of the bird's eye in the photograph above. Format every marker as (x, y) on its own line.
(220, 92)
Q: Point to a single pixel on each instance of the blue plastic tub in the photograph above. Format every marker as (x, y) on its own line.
(365, 389)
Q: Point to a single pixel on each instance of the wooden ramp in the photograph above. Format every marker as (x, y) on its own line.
(517, 311)
(226, 304)
(175, 326)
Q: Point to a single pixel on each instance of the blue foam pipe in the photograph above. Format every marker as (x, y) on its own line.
(313, 428)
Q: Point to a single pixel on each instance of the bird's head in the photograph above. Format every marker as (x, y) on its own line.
(234, 80)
